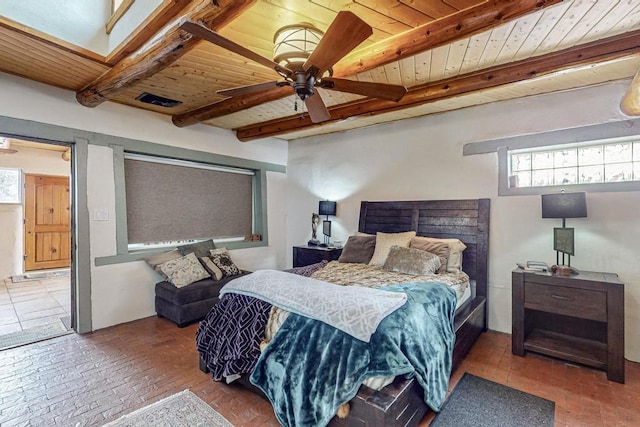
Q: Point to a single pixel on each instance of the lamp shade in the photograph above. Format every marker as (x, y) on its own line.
(564, 205)
(326, 207)
(293, 44)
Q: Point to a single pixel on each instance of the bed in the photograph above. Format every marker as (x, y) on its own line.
(401, 403)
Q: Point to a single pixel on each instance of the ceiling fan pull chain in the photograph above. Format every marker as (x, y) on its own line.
(302, 109)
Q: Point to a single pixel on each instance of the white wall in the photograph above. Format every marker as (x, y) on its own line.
(422, 159)
(136, 14)
(80, 22)
(30, 160)
(124, 292)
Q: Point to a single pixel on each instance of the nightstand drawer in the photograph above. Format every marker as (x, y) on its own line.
(582, 303)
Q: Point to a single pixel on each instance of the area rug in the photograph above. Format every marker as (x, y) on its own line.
(32, 335)
(478, 402)
(183, 409)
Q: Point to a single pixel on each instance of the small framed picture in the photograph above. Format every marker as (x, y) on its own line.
(10, 186)
(563, 240)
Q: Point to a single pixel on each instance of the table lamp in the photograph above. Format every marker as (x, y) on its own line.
(564, 205)
(326, 208)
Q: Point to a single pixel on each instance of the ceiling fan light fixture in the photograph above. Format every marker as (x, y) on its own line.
(303, 84)
(293, 44)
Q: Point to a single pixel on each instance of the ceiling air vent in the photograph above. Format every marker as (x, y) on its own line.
(150, 98)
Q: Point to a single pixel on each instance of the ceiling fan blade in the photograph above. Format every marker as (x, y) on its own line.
(345, 33)
(215, 38)
(244, 90)
(369, 89)
(317, 110)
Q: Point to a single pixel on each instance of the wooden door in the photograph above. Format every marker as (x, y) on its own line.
(47, 231)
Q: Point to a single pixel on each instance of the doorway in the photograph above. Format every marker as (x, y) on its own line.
(47, 225)
(36, 291)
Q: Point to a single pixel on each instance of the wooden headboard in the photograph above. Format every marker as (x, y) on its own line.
(467, 220)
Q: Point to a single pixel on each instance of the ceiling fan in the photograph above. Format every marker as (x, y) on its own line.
(313, 68)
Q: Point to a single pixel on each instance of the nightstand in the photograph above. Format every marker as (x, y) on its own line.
(306, 255)
(578, 318)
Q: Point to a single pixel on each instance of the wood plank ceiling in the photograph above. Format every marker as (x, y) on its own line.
(554, 45)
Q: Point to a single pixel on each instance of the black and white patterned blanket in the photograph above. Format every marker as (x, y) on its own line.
(228, 339)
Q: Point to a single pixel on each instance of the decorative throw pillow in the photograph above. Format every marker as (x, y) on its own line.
(200, 248)
(358, 249)
(384, 241)
(217, 251)
(454, 263)
(411, 261)
(211, 268)
(440, 249)
(184, 271)
(154, 261)
(225, 264)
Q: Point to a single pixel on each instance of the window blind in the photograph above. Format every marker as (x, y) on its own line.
(168, 202)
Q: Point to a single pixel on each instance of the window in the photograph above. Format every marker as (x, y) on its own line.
(118, 9)
(10, 186)
(169, 202)
(603, 162)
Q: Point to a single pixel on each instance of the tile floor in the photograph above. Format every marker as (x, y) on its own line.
(25, 305)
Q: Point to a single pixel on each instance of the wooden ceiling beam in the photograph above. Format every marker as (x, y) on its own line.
(598, 51)
(461, 24)
(230, 105)
(464, 23)
(163, 52)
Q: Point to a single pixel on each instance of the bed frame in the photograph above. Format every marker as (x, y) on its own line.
(401, 403)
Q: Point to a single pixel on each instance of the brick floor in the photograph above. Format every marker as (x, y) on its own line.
(81, 380)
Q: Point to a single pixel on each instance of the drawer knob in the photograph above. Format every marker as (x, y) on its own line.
(561, 297)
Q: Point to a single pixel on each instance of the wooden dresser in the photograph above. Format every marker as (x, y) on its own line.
(579, 318)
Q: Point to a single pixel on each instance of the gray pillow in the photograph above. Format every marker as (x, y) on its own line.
(411, 261)
(200, 249)
(358, 249)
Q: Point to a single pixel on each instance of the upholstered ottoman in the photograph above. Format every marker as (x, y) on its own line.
(190, 303)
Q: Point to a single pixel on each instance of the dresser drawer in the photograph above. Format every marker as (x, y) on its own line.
(582, 303)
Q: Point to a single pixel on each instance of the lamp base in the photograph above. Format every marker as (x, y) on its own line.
(564, 270)
(313, 242)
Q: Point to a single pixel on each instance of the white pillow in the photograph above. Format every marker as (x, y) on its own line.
(384, 241)
(454, 263)
(184, 271)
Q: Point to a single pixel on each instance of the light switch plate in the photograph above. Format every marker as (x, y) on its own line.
(101, 215)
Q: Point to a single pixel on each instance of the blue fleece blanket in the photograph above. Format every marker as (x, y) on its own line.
(311, 368)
